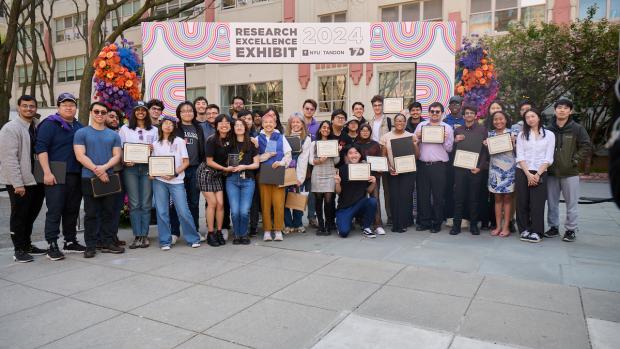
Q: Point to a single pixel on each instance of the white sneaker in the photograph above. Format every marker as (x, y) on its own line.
(278, 236)
(267, 236)
(203, 238)
(367, 232)
(225, 234)
(449, 222)
(465, 224)
(174, 239)
(380, 231)
(196, 244)
(165, 248)
(524, 235)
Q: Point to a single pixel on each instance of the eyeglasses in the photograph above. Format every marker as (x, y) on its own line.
(28, 106)
(99, 112)
(378, 105)
(434, 111)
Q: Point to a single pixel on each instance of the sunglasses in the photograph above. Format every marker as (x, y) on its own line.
(100, 112)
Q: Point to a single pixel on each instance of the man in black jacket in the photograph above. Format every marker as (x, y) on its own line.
(572, 144)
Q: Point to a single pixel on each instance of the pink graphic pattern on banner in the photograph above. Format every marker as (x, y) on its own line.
(190, 41)
(409, 40)
(168, 85)
(432, 85)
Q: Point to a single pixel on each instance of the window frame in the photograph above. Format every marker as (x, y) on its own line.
(249, 103)
(493, 12)
(74, 17)
(242, 4)
(399, 70)
(334, 74)
(606, 14)
(421, 4)
(332, 17)
(77, 70)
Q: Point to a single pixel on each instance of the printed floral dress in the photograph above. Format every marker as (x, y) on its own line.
(502, 169)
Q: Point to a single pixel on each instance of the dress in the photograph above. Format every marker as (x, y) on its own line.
(502, 169)
(323, 175)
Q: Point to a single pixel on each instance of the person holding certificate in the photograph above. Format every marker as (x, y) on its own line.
(323, 183)
(297, 128)
(353, 198)
(98, 149)
(401, 181)
(274, 151)
(170, 186)
(502, 168)
(468, 138)
(431, 176)
(535, 150)
(369, 147)
(137, 135)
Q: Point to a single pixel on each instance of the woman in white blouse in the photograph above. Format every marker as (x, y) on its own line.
(535, 147)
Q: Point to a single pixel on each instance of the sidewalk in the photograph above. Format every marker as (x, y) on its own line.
(411, 290)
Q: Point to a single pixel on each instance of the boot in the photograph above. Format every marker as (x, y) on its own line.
(220, 238)
(212, 239)
(473, 228)
(456, 227)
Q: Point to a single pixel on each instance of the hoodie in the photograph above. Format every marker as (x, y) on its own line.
(572, 144)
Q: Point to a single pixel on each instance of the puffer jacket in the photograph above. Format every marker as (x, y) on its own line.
(572, 144)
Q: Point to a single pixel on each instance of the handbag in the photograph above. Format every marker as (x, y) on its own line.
(296, 201)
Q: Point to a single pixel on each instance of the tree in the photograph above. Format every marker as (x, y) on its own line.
(546, 61)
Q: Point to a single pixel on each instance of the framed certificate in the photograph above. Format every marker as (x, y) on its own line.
(233, 160)
(359, 172)
(466, 159)
(393, 105)
(136, 152)
(404, 164)
(161, 166)
(433, 134)
(377, 163)
(499, 144)
(327, 149)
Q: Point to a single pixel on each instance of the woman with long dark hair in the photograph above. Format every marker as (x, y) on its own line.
(535, 147)
(370, 147)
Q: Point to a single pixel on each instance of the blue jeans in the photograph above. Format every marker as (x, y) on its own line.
(163, 193)
(365, 207)
(193, 200)
(240, 192)
(139, 192)
(292, 218)
(311, 204)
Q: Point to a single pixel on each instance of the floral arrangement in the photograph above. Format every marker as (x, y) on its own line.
(117, 77)
(476, 77)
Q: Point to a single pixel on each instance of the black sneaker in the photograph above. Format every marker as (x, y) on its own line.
(253, 233)
(421, 227)
(569, 236)
(236, 241)
(534, 237)
(245, 240)
(35, 251)
(73, 247)
(367, 232)
(553, 232)
(90, 252)
(22, 257)
(137, 242)
(53, 252)
(111, 248)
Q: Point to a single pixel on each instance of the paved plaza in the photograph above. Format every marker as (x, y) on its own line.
(410, 290)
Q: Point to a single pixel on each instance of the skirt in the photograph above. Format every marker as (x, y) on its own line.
(209, 180)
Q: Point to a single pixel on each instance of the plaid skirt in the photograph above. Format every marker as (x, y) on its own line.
(209, 180)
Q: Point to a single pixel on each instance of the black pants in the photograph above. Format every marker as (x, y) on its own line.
(226, 221)
(466, 194)
(449, 203)
(401, 195)
(24, 211)
(98, 216)
(325, 201)
(530, 203)
(63, 205)
(254, 210)
(431, 181)
(486, 201)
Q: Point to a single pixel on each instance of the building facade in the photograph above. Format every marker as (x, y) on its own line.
(286, 86)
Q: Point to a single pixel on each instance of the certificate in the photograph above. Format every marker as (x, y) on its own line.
(233, 160)
(327, 149)
(393, 105)
(433, 134)
(161, 166)
(466, 159)
(377, 163)
(136, 152)
(359, 172)
(499, 144)
(404, 164)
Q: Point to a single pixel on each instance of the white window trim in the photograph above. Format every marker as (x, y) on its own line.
(606, 14)
(493, 10)
(421, 2)
(332, 72)
(333, 15)
(243, 4)
(227, 105)
(395, 68)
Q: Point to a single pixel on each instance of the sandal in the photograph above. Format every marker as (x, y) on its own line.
(495, 232)
(504, 234)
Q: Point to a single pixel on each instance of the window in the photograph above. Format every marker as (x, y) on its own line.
(192, 93)
(605, 8)
(257, 95)
(174, 5)
(332, 93)
(68, 28)
(230, 4)
(430, 10)
(125, 11)
(70, 69)
(488, 16)
(25, 74)
(333, 17)
(24, 36)
(400, 83)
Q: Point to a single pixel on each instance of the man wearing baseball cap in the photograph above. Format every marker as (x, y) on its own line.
(55, 145)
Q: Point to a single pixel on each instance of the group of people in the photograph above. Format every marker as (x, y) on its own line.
(220, 155)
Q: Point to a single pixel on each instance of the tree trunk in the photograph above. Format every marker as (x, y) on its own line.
(7, 60)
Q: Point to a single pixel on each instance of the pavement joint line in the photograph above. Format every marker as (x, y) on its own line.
(329, 328)
(202, 281)
(585, 319)
(227, 340)
(429, 291)
(185, 341)
(464, 316)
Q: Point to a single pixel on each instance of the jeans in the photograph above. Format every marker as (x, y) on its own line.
(240, 192)
(63, 204)
(97, 210)
(365, 207)
(139, 191)
(163, 193)
(311, 204)
(24, 211)
(569, 187)
(292, 218)
(192, 191)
